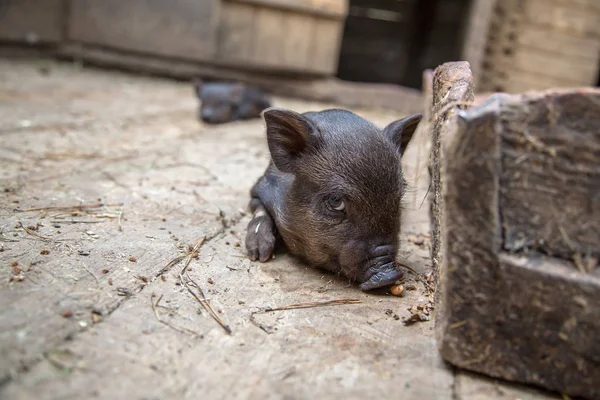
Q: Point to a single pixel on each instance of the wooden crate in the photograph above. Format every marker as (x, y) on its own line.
(31, 21)
(175, 28)
(518, 244)
(298, 36)
(301, 36)
(539, 44)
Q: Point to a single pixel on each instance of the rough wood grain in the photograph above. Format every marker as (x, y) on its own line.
(551, 41)
(574, 19)
(31, 21)
(476, 32)
(250, 35)
(550, 178)
(505, 308)
(179, 28)
(328, 8)
(538, 44)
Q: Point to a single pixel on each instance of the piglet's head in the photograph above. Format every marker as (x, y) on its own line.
(219, 100)
(342, 210)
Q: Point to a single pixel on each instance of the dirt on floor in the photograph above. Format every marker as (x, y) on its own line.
(109, 187)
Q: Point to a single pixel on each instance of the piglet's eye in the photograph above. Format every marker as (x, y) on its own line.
(336, 204)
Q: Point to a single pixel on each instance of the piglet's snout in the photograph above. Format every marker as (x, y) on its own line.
(207, 114)
(380, 269)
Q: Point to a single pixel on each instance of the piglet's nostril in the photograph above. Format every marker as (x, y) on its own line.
(207, 113)
(383, 250)
(381, 275)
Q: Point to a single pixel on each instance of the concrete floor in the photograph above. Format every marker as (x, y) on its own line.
(77, 285)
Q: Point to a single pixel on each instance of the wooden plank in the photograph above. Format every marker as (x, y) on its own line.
(476, 34)
(267, 36)
(543, 331)
(32, 21)
(515, 80)
(505, 22)
(537, 61)
(581, 21)
(561, 44)
(178, 28)
(236, 28)
(521, 81)
(523, 316)
(297, 49)
(337, 9)
(550, 172)
(251, 36)
(541, 44)
(590, 5)
(545, 69)
(326, 51)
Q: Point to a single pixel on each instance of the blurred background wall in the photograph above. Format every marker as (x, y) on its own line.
(512, 45)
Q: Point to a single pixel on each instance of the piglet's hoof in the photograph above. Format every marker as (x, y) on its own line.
(260, 238)
(383, 276)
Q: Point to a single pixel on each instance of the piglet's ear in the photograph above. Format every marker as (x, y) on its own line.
(289, 135)
(198, 83)
(400, 132)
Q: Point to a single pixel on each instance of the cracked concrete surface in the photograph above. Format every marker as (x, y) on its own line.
(77, 284)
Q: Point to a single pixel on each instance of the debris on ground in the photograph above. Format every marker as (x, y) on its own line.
(417, 317)
(123, 291)
(397, 290)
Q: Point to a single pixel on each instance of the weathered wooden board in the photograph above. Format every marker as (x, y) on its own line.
(550, 197)
(539, 44)
(331, 8)
(577, 19)
(178, 28)
(555, 65)
(518, 186)
(250, 35)
(476, 32)
(31, 21)
(552, 41)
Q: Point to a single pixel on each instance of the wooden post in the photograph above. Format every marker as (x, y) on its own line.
(452, 90)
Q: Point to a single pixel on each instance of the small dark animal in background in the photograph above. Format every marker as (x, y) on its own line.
(223, 102)
(332, 192)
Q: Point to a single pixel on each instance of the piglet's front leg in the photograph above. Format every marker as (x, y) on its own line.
(260, 236)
